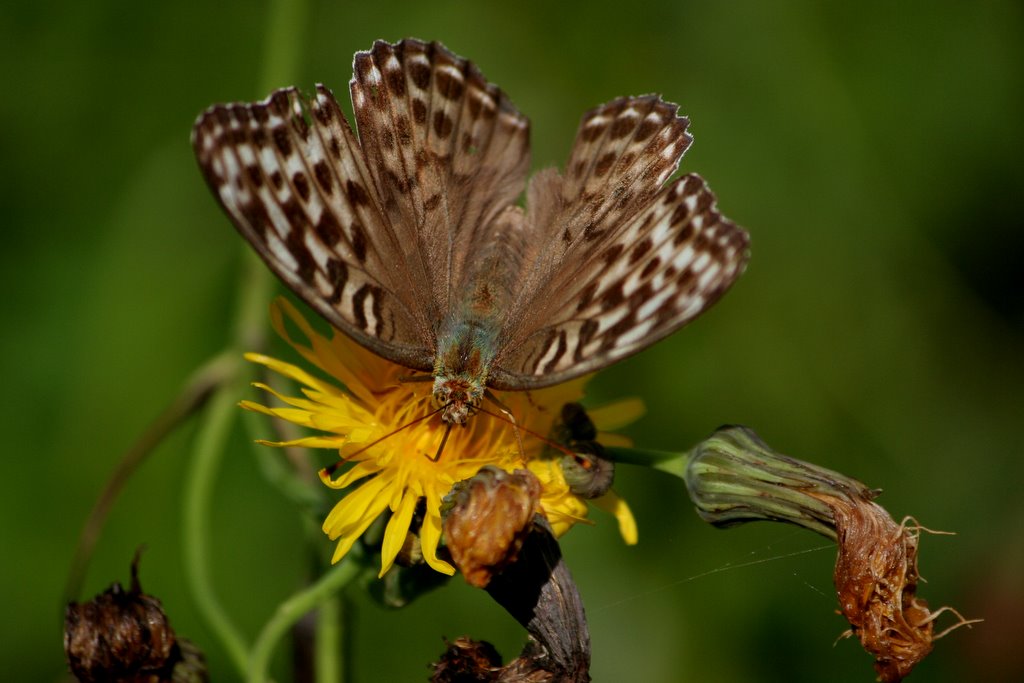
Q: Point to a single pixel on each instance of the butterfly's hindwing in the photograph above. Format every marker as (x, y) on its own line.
(627, 260)
(624, 152)
(666, 266)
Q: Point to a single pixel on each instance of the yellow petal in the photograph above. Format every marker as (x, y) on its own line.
(345, 544)
(299, 417)
(430, 534)
(344, 480)
(617, 415)
(333, 442)
(288, 370)
(396, 532)
(294, 401)
(354, 509)
(610, 502)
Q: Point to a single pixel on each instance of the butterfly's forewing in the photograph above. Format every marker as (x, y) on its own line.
(291, 176)
(631, 260)
(448, 151)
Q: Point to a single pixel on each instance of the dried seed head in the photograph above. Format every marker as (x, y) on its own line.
(486, 520)
(465, 659)
(125, 636)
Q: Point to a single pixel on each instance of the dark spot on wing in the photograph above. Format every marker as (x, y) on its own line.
(356, 194)
(301, 185)
(324, 177)
(281, 139)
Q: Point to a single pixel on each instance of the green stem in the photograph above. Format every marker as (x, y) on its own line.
(211, 440)
(327, 642)
(286, 21)
(291, 610)
(666, 461)
(198, 494)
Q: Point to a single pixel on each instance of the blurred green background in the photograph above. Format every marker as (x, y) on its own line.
(872, 150)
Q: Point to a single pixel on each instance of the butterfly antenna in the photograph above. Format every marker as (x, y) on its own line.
(444, 440)
(510, 418)
(554, 444)
(333, 467)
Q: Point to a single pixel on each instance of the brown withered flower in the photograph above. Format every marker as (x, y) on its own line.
(125, 636)
(486, 520)
(467, 661)
(734, 477)
(500, 542)
(876, 580)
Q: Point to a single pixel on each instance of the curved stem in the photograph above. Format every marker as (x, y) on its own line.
(291, 610)
(327, 642)
(211, 439)
(209, 449)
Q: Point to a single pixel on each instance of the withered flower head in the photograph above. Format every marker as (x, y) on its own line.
(465, 659)
(125, 636)
(876, 580)
(734, 477)
(486, 520)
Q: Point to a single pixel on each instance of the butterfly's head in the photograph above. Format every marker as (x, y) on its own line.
(457, 397)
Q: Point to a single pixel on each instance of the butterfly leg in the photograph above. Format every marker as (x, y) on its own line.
(444, 440)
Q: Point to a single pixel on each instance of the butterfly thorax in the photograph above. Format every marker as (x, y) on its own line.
(465, 350)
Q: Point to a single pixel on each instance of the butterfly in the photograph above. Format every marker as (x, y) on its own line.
(408, 238)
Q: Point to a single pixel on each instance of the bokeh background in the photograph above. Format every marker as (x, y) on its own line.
(873, 150)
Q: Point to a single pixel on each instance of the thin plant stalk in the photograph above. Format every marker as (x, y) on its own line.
(294, 608)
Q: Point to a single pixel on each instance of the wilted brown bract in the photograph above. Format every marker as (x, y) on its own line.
(876, 581)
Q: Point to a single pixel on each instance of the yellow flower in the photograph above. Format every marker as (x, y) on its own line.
(379, 426)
